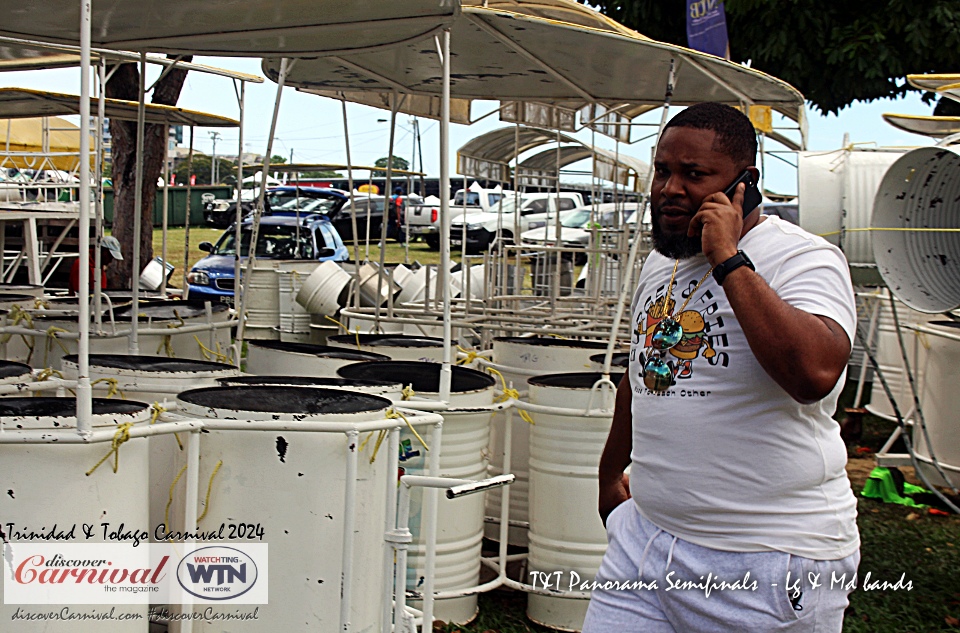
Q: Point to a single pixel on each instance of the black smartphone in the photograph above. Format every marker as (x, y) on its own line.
(751, 195)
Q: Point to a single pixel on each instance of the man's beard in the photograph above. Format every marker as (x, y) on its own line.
(676, 245)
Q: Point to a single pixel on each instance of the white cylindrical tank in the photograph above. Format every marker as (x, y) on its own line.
(12, 373)
(916, 222)
(837, 191)
(519, 358)
(292, 485)
(153, 379)
(566, 533)
(396, 346)
(263, 303)
(463, 455)
(618, 363)
(47, 485)
(392, 390)
(278, 358)
(940, 400)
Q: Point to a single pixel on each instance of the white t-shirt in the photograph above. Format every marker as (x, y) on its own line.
(725, 458)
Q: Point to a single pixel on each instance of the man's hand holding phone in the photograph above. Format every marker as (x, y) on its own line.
(720, 219)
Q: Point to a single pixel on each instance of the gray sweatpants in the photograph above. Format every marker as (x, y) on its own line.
(686, 588)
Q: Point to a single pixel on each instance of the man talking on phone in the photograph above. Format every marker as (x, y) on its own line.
(737, 511)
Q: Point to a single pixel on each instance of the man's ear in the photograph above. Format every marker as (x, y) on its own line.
(754, 173)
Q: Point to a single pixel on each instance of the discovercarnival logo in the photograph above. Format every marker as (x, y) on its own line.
(217, 573)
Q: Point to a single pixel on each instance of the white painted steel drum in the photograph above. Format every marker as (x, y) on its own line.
(294, 319)
(46, 485)
(890, 359)
(325, 290)
(369, 281)
(34, 290)
(618, 363)
(920, 191)
(13, 373)
(368, 325)
(566, 533)
(262, 303)
(282, 359)
(153, 379)
(462, 455)
(166, 316)
(396, 346)
(25, 301)
(519, 358)
(837, 191)
(392, 390)
(940, 400)
(292, 485)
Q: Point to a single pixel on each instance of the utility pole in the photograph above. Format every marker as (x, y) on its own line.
(214, 172)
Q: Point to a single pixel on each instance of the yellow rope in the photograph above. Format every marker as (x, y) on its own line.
(376, 447)
(206, 501)
(46, 373)
(393, 414)
(471, 356)
(363, 444)
(17, 314)
(510, 393)
(114, 386)
(346, 329)
(166, 510)
(40, 304)
(209, 354)
(157, 412)
(166, 344)
(52, 332)
(121, 436)
(408, 393)
(555, 335)
(889, 228)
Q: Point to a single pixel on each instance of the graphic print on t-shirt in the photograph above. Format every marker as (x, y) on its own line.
(697, 331)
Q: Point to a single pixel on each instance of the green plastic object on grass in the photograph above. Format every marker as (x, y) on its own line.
(882, 485)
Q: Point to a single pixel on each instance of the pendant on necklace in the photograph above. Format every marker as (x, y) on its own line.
(666, 334)
(657, 375)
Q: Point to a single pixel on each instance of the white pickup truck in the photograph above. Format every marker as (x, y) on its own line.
(424, 219)
(480, 229)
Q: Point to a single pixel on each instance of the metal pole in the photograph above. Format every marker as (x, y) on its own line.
(239, 211)
(353, 208)
(390, 523)
(84, 391)
(186, 218)
(133, 345)
(258, 210)
(349, 525)
(388, 209)
(625, 290)
(430, 530)
(446, 373)
(98, 206)
(166, 210)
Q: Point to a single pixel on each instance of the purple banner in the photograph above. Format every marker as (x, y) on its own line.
(707, 27)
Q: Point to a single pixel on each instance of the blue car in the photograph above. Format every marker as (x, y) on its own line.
(211, 279)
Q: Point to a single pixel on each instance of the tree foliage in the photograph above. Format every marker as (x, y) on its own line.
(398, 162)
(834, 51)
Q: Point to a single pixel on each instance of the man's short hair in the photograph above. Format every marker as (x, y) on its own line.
(735, 134)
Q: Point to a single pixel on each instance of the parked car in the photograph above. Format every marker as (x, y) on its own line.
(212, 278)
(422, 217)
(576, 228)
(481, 228)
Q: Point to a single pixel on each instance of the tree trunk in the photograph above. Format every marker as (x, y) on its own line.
(125, 84)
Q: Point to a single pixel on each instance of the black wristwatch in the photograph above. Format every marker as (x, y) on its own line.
(721, 270)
